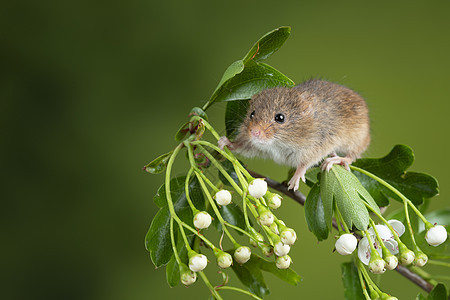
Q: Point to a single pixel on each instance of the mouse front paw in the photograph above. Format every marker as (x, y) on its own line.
(224, 141)
(294, 183)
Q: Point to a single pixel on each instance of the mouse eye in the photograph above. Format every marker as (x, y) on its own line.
(252, 114)
(280, 118)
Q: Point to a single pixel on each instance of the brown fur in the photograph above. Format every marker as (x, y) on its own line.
(321, 118)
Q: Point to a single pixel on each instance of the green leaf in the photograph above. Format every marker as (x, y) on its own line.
(287, 275)
(268, 44)
(255, 78)
(343, 187)
(311, 176)
(232, 70)
(232, 79)
(440, 216)
(228, 167)
(197, 111)
(157, 240)
(173, 272)
(179, 196)
(352, 285)
(315, 215)
(251, 276)
(392, 168)
(181, 133)
(231, 213)
(439, 292)
(235, 114)
(159, 164)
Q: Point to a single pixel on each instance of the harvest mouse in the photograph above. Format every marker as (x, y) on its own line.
(300, 126)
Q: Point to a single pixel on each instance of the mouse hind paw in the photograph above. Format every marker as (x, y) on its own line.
(336, 160)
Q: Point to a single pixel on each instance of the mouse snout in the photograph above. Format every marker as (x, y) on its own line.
(260, 132)
(256, 132)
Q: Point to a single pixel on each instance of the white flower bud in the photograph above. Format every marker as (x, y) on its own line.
(197, 262)
(421, 259)
(376, 265)
(223, 197)
(391, 262)
(283, 262)
(346, 244)
(281, 249)
(188, 277)
(257, 188)
(275, 201)
(266, 218)
(274, 228)
(288, 236)
(407, 257)
(436, 235)
(224, 260)
(242, 254)
(202, 220)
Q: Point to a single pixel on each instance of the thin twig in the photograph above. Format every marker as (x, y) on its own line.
(300, 198)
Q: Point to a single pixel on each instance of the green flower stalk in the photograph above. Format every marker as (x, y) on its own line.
(265, 249)
(376, 263)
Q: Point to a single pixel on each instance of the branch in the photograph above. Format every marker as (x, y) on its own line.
(300, 198)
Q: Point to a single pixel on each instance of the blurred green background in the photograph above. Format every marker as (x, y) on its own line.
(93, 90)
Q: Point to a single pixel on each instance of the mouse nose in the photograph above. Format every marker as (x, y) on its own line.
(256, 132)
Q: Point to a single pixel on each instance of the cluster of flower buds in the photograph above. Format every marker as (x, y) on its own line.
(282, 237)
(386, 254)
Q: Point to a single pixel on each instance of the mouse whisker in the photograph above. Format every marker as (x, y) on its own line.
(270, 125)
